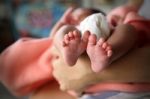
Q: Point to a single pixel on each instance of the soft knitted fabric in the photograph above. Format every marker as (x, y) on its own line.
(96, 24)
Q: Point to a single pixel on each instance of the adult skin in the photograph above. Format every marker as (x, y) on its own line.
(134, 67)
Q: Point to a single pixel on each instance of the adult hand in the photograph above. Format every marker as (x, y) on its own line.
(118, 14)
(66, 18)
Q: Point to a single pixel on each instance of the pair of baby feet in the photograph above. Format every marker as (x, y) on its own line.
(99, 51)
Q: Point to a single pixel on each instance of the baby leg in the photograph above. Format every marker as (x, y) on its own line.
(74, 46)
(99, 53)
(103, 53)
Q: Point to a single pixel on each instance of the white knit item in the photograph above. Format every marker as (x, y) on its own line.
(96, 24)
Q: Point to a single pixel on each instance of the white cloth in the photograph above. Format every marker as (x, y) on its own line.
(96, 24)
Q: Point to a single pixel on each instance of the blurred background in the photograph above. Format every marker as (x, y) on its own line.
(35, 18)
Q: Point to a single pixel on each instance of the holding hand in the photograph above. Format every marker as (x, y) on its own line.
(66, 18)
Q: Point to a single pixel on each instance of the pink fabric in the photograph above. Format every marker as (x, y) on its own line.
(124, 87)
(26, 65)
(142, 26)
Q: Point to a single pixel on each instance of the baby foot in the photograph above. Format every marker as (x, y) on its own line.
(99, 53)
(74, 46)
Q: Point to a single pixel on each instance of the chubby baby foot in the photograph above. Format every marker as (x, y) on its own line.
(74, 46)
(99, 53)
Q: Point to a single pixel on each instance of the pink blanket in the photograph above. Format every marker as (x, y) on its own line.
(26, 65)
